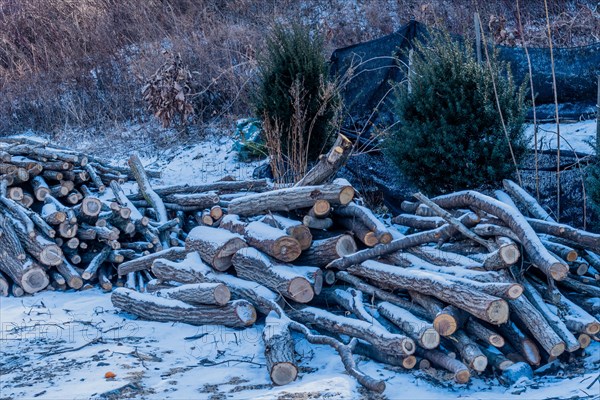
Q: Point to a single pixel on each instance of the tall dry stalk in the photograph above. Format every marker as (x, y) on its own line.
(535, 124)
(491, 70)
(555, 112)
(289, 160)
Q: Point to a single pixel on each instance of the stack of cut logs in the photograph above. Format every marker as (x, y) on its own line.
(473, 283)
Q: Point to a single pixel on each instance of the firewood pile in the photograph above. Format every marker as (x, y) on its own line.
(474, 284)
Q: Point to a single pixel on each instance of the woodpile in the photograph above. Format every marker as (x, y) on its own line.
(473, 284)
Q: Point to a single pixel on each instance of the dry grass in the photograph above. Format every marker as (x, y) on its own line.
(84, 62)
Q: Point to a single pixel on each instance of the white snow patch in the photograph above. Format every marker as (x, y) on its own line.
(573, 136)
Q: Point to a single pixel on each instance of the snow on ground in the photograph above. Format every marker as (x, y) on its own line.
(59, 345)
(573, 136)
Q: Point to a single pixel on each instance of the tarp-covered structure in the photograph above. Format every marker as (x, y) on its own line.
(375, 65)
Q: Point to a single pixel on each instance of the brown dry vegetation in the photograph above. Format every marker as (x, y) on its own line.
(84, 62)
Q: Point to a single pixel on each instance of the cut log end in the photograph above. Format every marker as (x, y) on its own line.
(497, 340)
(514, 291)
(346, 195)
(34, 280)
(592, 328)
(222, 294)
(286, 249)
(409, 362)
(430, 339)
(479, 363)
(557, 350)
(559, 271)
(370, 239)
(283, 373)
(301, 290)
(462, 376)
(246, 313)
(345, 245)
(510, 254)
(584, 340)
(498, 312)
(408, 346)
(321, 208)
(445, 324)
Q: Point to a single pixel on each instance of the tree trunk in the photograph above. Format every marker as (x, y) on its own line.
(360, 230)
(215, 246)
(146, 190)
(437, 358)
(528, 201)
(469, 351)
(368, 219)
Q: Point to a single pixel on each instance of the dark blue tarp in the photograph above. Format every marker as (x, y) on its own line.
(374, 65)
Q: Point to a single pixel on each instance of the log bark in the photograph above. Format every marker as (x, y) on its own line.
(483, 333)
(489, 308)
(71, 275)
(295, 229)
(145, 262)
(146, 190)
(526, 348)
(368, 219)
(236, 314)
(279, 350)
(317, 223)
(422, 332)
(364, 349)
(329, 163)
(251, 264)
(401, 243)
(25, 273)
(538, 254)
(442, 360)
(215, 246)
(555, 323)
(290, 199)
(359, 230)
(272, 241)
(94, 265)
(528, 202)
(220, 187)
(323, 251)
(469, 351)
(205, 293)
(418, 222)
(4, 286)
(393, 344)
